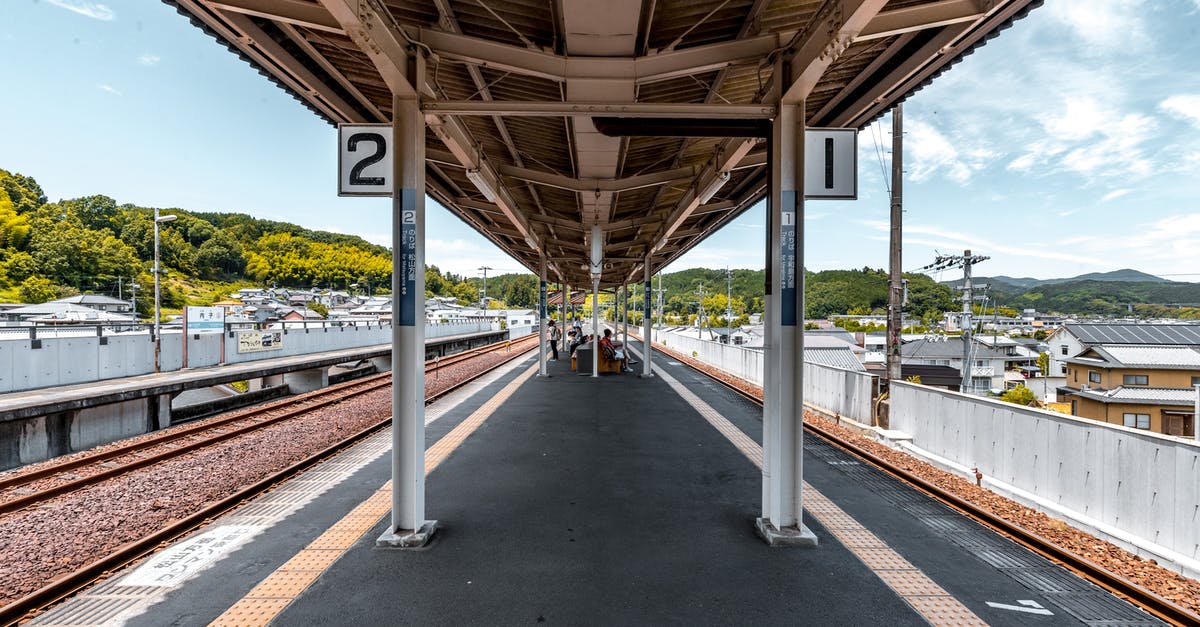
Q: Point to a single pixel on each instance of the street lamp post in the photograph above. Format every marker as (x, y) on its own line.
(157, 340)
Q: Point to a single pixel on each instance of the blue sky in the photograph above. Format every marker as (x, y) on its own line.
(1069, 144)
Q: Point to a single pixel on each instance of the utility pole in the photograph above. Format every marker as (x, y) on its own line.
(728, 298)
(965, 261)
(660, 295)
(700, 311)
(896, 291)
(483, 296)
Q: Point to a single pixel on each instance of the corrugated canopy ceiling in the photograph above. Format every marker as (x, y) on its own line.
(510, 87)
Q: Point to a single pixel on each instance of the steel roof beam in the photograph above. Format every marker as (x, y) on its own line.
(591, 185)
(308, 82)
(920, 17)
(304, 44)
(374, 30)
(728, 155)
(901, 76)
(450, 22)
(645, 69)
(955, 38)
(889, 54)
(224, 26)
(292, 12)
(827, 36)
(536, 108)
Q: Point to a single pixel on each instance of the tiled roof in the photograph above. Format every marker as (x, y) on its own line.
(1141, 396)
(950, 348)
(1183, 334)
(834, 357)
(1151, 356)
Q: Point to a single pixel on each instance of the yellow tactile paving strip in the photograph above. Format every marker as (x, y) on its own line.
(932, 602)
(281, 587)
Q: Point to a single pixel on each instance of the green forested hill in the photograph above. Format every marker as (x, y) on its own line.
(93, 244)
(827, 293)
(1148, 298)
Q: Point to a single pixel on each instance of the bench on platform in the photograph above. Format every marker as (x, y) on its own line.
(605, 364)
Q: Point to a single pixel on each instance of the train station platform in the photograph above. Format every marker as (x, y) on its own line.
(573, 500)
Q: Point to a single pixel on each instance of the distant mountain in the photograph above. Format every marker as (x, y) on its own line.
(1008, 284)
(1126, 275)
(1021, 282)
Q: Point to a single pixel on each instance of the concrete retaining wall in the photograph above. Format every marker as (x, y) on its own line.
(35, 439)
(844, 392)
(1140, 489)
(746, 363)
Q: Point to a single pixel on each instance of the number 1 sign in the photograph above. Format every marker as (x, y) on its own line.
(365, 160)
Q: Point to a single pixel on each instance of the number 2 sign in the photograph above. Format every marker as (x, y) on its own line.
(365, 160)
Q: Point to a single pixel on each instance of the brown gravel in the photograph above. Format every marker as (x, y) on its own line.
(1146, 573)
(42, 543)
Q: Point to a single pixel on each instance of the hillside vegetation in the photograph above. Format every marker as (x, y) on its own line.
(93, 244)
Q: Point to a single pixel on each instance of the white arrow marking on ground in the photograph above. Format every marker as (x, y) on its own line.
(1033, 607)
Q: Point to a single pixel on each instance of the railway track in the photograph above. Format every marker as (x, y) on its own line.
(1154, 604)
(16, 494)
(126, 459)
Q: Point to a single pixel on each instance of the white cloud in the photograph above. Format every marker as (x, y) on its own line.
(110, 89)
(93, 10)
(1092, 139)
(1112, 25)
(1115, 194)
(928, 152)
(149, 60)
(1186, 106)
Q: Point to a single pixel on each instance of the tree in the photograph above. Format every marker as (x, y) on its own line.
(35, 290)
(220, 256)
(14, 227)
(1043, 363)
(24, 192)
(1020, 395)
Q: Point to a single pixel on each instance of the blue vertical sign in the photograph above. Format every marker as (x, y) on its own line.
(787, 269)
(406, 301)
(542, 299)
(646, 299)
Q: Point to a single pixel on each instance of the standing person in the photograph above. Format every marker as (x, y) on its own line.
(555, 336)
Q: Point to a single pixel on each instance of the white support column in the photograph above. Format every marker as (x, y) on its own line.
(542, 337)
(783, 413)
(596, 326)
(409, 528)
(624, 320)
(646, 320)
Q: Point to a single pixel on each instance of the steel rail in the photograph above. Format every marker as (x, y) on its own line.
(1153, 604)
(70, 583)
(362, 385)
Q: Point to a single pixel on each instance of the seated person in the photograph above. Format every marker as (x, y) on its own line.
(613, 350)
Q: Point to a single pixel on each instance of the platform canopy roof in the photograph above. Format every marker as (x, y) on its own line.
(516, 94)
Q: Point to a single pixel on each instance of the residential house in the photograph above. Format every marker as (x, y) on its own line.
(1140, 386)
(1070, 339)
(986, 365)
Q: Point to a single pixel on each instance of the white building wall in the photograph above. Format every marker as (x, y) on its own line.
(1056, 342)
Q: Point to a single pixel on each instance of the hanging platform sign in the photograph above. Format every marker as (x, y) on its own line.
(831, 163)
(365, 160)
